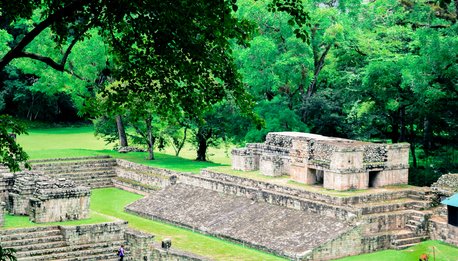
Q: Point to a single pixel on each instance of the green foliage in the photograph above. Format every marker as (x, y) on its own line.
(11, 154)
(7, 254)
(12, 221)
(435, 250)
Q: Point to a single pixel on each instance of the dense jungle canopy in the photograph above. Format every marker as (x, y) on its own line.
(208, 72)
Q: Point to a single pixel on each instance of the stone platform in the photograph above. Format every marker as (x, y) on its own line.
(284, 231)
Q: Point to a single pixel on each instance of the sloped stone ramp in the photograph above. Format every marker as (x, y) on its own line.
(283, 231)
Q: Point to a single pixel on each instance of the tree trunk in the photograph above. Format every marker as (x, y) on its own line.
(412, 146)
(150, 138)
(427, 135)
(202, 145)
(121, 132)
(402, 115)
(179, 145)
(414, 156)
(394, 135)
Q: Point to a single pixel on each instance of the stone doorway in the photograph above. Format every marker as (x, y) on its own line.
(318, 175)
(373, 175)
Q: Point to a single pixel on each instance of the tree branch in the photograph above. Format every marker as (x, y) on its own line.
(17, 50)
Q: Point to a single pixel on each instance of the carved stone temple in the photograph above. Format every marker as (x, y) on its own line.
(336, 163)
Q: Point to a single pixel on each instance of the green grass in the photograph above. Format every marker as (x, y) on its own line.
(441, 251)
(80, 141)
(12, 221)
(111, 201)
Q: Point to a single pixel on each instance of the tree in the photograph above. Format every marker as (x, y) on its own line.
(7, 254)
(11, 154)
(186, 42)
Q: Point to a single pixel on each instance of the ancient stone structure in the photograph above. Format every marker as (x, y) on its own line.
(286, 219)
(47, 200)
(336, 163)
(446, 185)
(2, 210)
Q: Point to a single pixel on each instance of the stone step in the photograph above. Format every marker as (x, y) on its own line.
(408, 242)
(135, 185)
(101, 157)
(85, 173)
(104, 184)
(64, 252)
(74, 161)
(414, 222)
(85, 179)
(28, 231)
(75, 169)
(31, 240)
(39, 246)
(387, 206)
(411, 227)
(403, 234)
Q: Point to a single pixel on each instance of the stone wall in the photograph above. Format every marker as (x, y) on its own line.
(439, 229)
(94, 233)
(446, 185)
(261, 185)
(48, 200)
(143, 248)
(149, 176)
(6, 184)
(346, 163)
(143, 173)
(2, 213)
(353, 242)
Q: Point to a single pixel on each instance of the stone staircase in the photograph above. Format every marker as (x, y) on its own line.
(406, 238)
(397, 214)
(404, 218)
(94, 172)
(47, 243)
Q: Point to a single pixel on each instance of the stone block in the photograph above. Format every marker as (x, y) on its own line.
(347, 160)
(244, 160)
(271, 165)
(345, 181)
(2, 213)
(295, 153)
(391, 177)
(398, 155)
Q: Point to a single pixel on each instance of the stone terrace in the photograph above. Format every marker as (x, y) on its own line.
(285, 231)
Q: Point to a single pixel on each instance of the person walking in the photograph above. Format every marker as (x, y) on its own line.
(121, 253)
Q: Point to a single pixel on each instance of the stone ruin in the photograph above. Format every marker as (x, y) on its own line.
(336, 163)
(44, 199)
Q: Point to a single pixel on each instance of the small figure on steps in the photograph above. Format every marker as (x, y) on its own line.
(121, 253)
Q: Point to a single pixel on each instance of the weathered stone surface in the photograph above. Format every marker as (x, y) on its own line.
(285, 231)
(2, 210)
(446, 185)
(128, 149)
(346, 163)
(47, 200)
(439, 229)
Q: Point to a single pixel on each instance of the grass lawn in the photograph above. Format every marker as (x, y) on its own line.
(80, 141)
(441, 251)
(111, 201)
(23, 221)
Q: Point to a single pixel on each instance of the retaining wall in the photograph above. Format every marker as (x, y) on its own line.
(149, 176)
(142, 247)
(86, 234)
(353, 242)
(439, 229)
